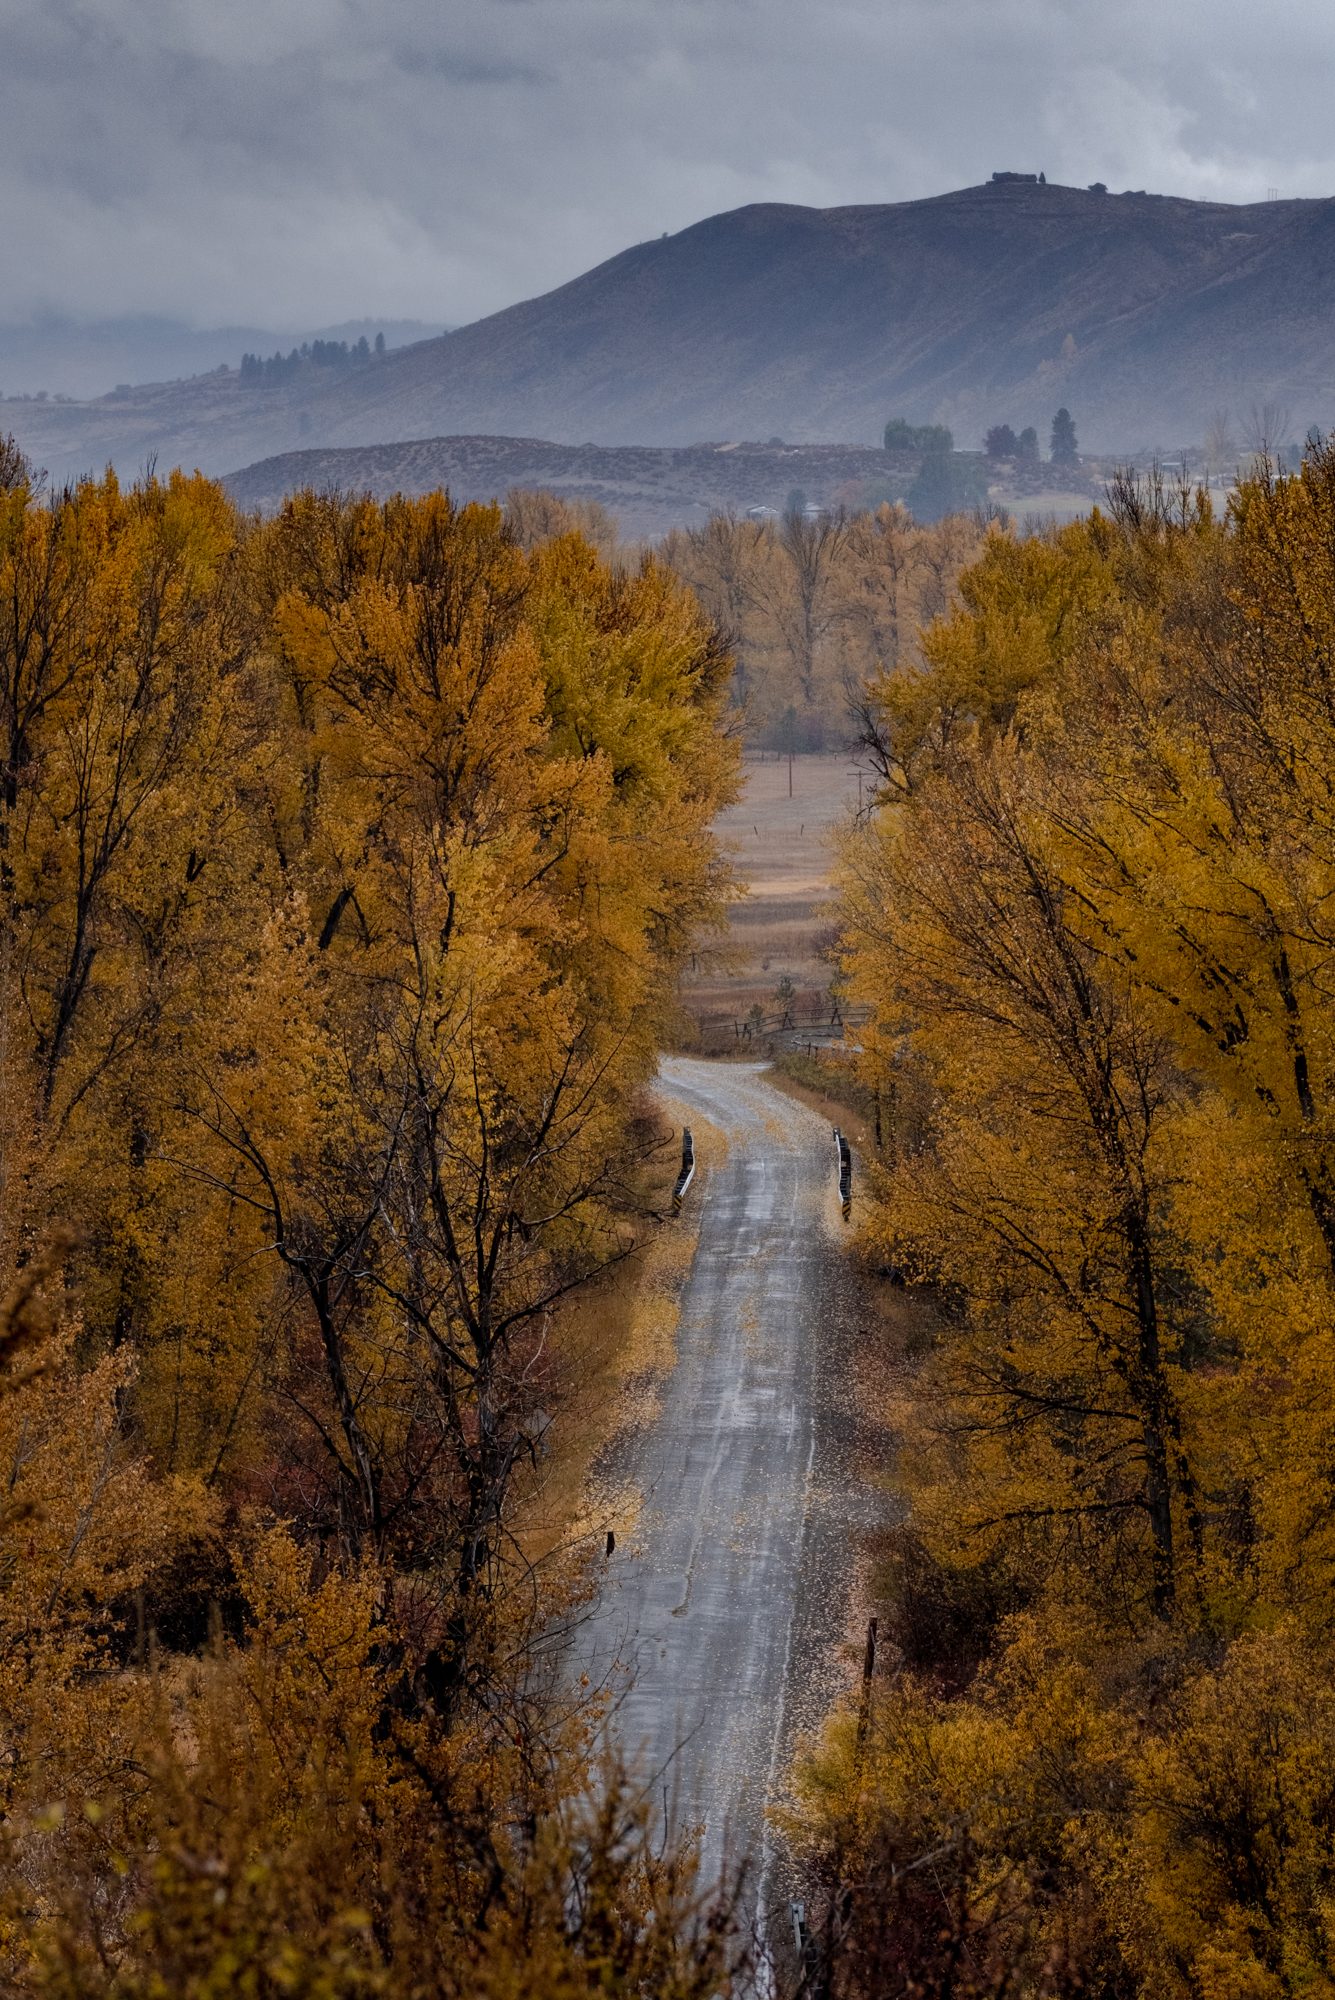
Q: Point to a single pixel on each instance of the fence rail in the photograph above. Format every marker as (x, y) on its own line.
(786, 1029)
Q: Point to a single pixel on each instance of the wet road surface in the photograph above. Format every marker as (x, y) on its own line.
(718, 1626)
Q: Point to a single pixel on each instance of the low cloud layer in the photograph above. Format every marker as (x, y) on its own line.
(301, 161)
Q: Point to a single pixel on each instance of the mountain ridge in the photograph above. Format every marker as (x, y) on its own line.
(956, 308)
(1143, 313)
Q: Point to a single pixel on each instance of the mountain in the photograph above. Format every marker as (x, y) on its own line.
(1142, 313)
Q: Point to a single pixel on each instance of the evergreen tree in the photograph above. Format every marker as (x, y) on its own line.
(1063, 438)
(948, 482)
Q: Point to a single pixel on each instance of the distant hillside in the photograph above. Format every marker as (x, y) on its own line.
(648, 489)
(1143, 313)
(87, 358)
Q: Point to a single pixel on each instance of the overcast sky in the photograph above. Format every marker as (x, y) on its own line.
(291, 162)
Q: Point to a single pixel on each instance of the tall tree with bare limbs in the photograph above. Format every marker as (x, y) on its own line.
(803, 603)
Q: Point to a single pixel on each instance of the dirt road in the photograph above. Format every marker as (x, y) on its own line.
(721, 1624)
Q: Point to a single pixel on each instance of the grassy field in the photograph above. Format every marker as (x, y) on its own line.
(782, 849)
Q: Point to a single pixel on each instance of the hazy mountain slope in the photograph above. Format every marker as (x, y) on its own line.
(1144, 313)
(818, 324)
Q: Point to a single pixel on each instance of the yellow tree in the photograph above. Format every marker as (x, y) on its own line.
(1037, 1188)
(500, 850)
(347, 862)
(1090, 919)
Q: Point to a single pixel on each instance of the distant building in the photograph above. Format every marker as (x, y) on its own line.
(762, 513)
(1030, 180)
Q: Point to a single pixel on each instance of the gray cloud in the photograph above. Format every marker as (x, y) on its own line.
(299, 161)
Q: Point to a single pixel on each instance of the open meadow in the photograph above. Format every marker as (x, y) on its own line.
(782, 848)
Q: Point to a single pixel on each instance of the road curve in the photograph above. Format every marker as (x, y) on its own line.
(711, 1627)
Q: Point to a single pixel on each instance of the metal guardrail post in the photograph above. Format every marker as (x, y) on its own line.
(687, 1174)
(844, 1167)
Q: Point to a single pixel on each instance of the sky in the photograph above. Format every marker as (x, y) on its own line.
(295, 162)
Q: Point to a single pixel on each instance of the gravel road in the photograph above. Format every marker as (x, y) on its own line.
(720, 1626)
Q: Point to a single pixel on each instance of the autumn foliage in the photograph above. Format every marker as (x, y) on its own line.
(1092, 915)
(345, 864)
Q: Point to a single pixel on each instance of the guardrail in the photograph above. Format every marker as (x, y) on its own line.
(844, 1168)
(687, 1174)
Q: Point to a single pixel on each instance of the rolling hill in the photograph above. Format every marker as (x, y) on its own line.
(1143, 313)
(646, 488)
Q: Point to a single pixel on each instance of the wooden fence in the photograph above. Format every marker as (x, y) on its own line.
(763, 1032)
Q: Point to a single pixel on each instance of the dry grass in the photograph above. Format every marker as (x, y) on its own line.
(615, 1343)
(827, 1104)
(782, 849)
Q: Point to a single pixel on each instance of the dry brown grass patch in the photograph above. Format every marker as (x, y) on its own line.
(615, 1343)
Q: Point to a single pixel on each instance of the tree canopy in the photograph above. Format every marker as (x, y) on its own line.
(346, 862)
(1001, 442)
(901, 435)
(1088, 914)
